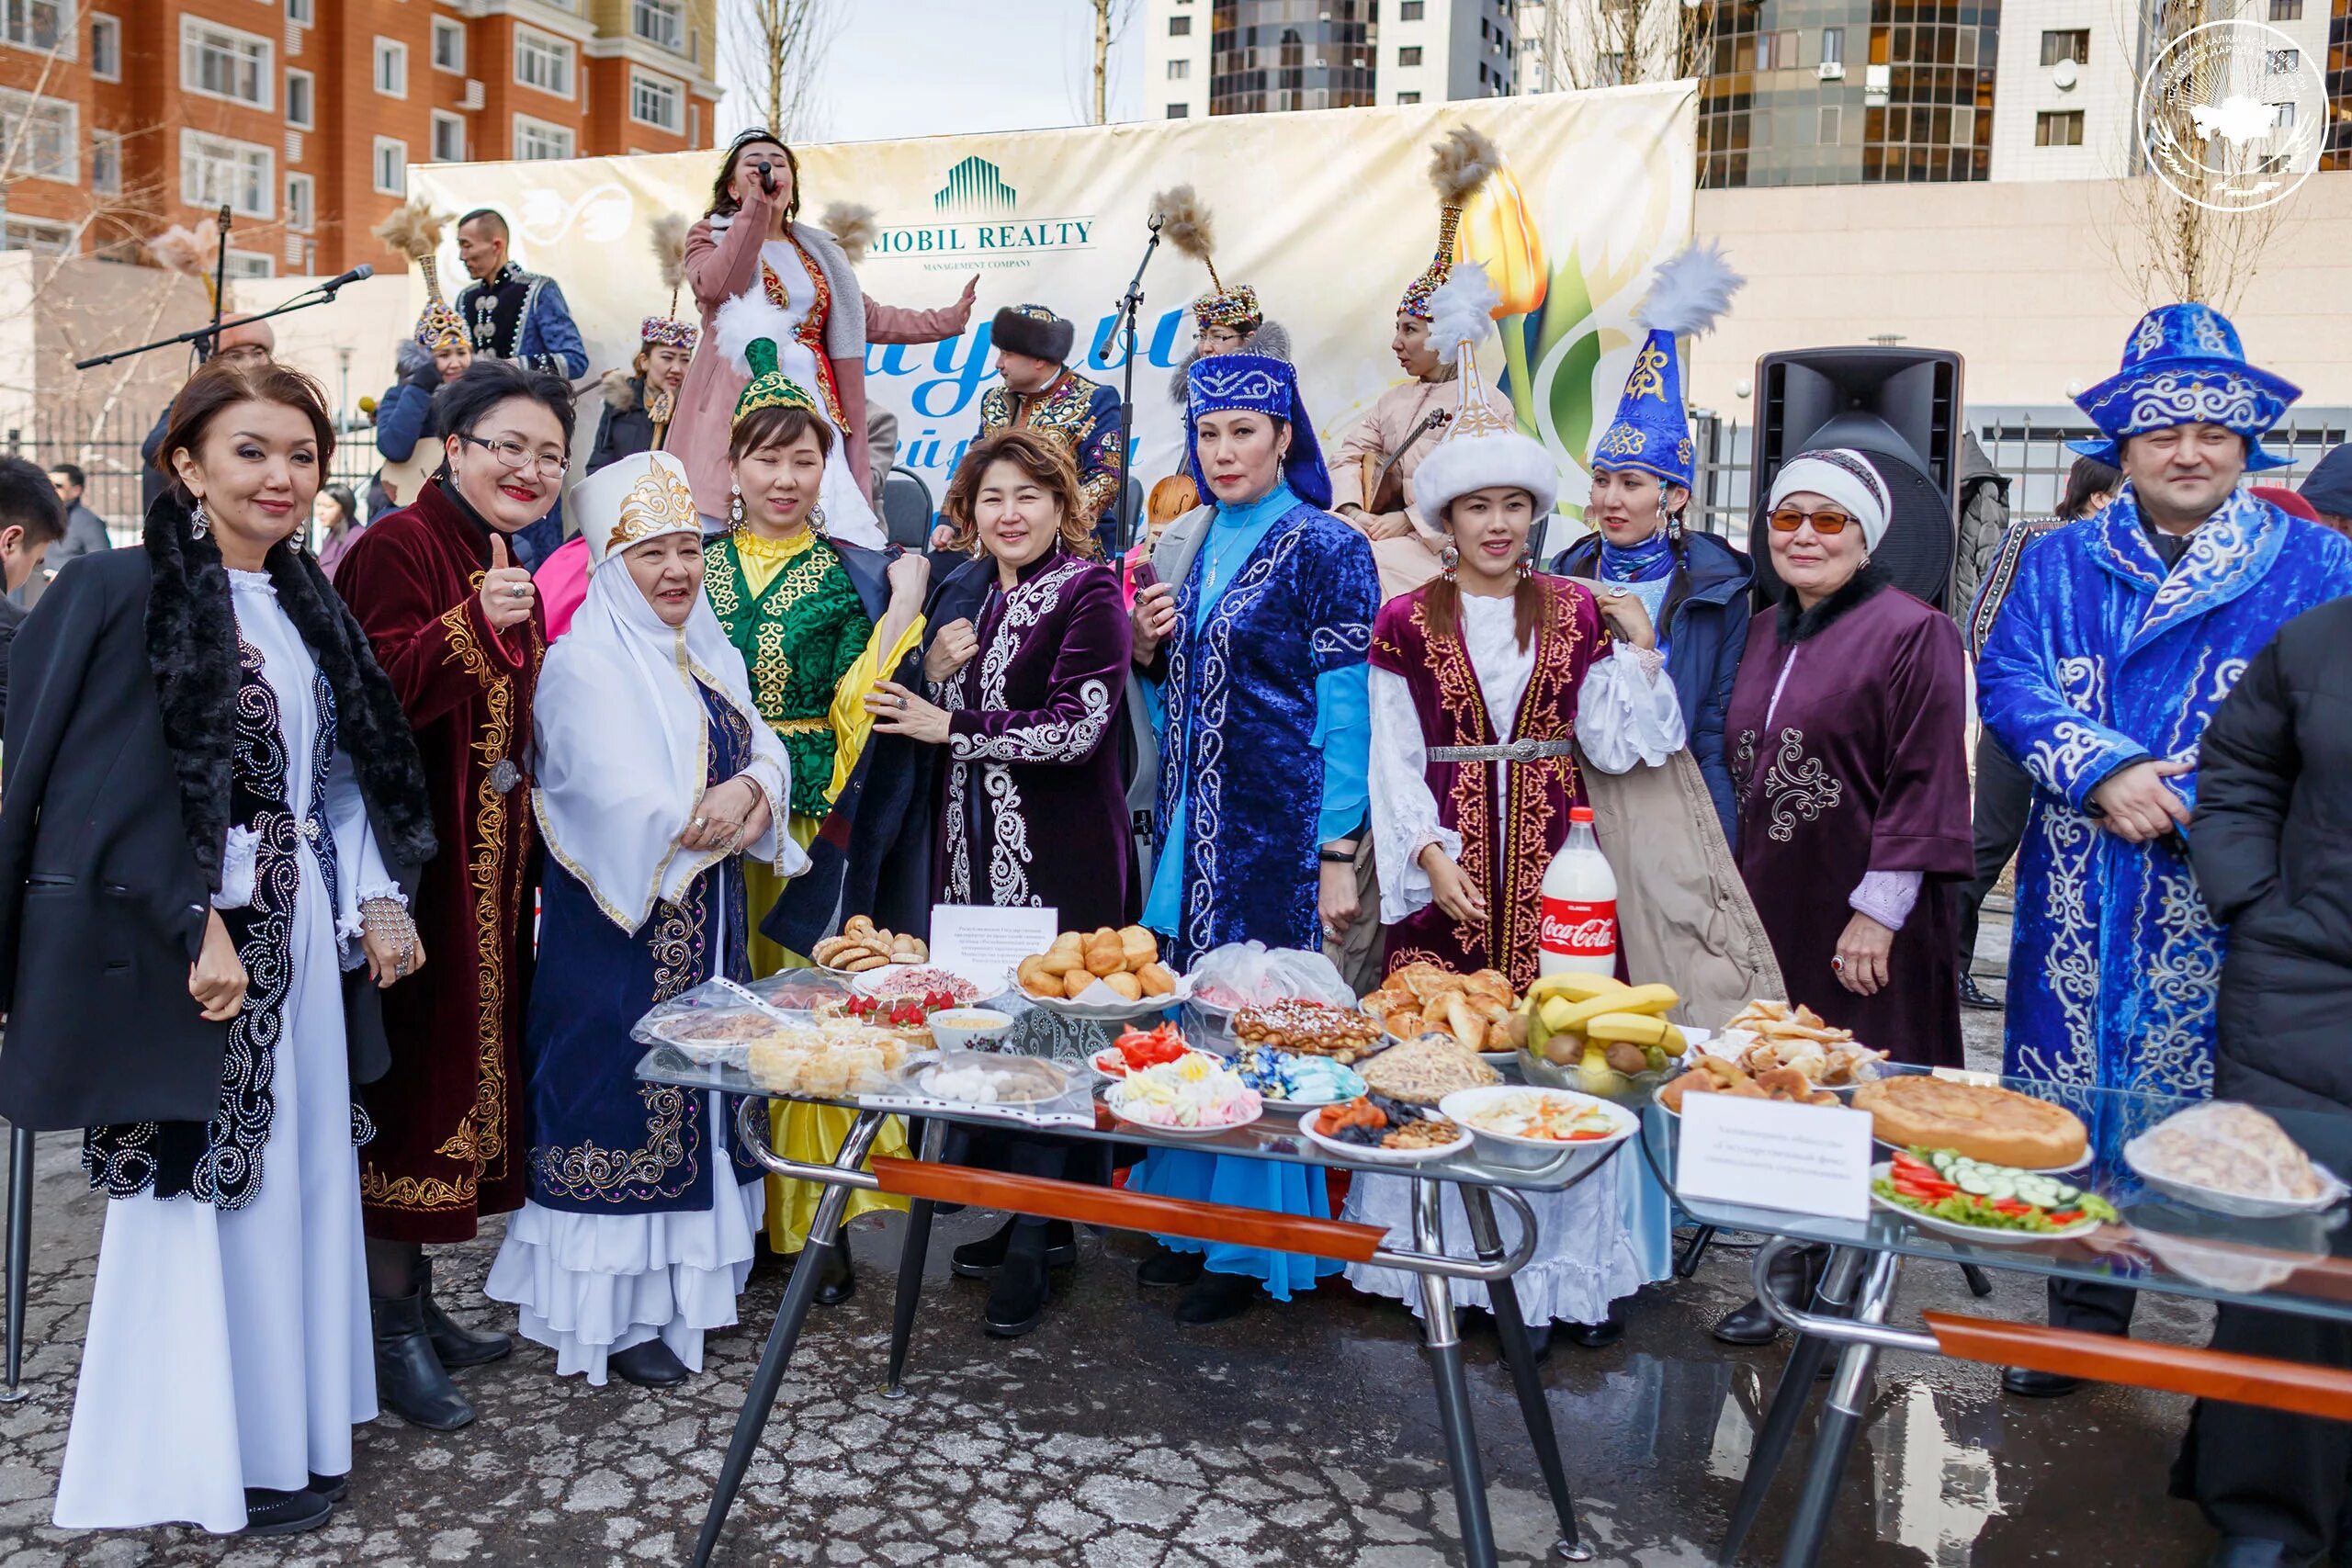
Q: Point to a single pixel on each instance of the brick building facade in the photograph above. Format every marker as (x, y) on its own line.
(302, 116)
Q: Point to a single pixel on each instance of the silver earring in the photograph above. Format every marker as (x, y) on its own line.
(1527, 562)
(1447, 559)
(734, 505)
(196, 524)
(817, 521)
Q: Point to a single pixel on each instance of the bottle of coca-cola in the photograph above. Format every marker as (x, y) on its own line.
(1579, 930)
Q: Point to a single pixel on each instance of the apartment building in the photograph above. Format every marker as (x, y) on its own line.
(302, 116)
(1256, 56)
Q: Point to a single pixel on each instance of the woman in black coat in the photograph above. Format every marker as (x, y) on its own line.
(212, 805)
(2272, 842)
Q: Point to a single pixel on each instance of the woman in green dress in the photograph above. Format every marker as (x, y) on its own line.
(814, 644)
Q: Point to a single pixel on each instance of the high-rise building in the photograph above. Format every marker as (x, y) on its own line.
(1253, 56)
(302, 116)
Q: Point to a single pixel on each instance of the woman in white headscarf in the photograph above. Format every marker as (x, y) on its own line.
(656, 777)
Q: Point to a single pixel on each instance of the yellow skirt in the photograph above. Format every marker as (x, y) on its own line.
(810, 1134)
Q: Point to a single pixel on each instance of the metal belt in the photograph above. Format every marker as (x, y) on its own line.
(1517, 752)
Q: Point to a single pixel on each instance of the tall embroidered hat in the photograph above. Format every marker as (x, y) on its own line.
(1480, 449)
(414, 229)
(1458, 167)
(2184, 364)
(631, 500)
(1184, 224)
(670, 255)
(1269, 386)
(746, 330)
(1651, 430)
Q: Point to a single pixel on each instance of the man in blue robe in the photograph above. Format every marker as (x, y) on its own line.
(2123, 634)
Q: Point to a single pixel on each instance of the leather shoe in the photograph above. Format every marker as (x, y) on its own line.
(1796, 1274)
(838, 1282)
(1216, 1298)
(330, 1487)
(283, 1513)
(1597, 1336)
(2028, 1384)
(1017, 1300)
(456, 1344)
(2248, 1552)
(1973, 995)
(647, 1365)
(978, 1260)
(1166, 1266)
(410, 1380)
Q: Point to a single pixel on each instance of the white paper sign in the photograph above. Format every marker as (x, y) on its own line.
(1772, 1154)
(984, 945)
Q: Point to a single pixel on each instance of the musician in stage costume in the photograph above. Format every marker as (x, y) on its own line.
(1371, 472)
(658, 779)
(1253, 641)
(1040, 391)
(816, 623)
(455, 622)
(437, 354)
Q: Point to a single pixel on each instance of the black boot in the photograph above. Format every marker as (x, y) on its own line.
(1973, 995)
(1217, 1298)
(978, 1260)
(330, 1487)
(456, 1344)
(2028, 1384)
(283, 1513)
(410, 1380)
(1598, 1335)
(1017, 1300)
(650, 1365)
(1796, 1272)
(838, 1282)
(1166, 1266)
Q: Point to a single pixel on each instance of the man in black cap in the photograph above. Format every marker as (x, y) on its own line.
(1041, 391)
(2328, 487)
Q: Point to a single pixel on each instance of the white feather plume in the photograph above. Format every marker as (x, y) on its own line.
(852, 226)
(1689, 290)
(1461, 312)
(743, 321)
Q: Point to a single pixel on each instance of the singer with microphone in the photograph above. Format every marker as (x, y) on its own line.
(750, 243)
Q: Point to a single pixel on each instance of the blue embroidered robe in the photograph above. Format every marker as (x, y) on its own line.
(1240, 738)
(2100, 659)
(602, 1142)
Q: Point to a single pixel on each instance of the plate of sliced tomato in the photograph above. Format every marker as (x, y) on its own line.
(1136, 1049)
(1990, 1205)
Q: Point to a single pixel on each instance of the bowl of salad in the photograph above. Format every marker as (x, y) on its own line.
(1971, 1200)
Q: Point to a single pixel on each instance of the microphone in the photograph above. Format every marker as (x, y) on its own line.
(767, 175)
(362, 271)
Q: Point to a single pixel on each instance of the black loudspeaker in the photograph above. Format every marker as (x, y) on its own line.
(1898, 407)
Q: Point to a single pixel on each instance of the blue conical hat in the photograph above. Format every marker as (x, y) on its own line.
(1651, 430)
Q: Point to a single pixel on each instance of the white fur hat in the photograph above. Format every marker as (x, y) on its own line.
(1846, 476)
(1481, 450)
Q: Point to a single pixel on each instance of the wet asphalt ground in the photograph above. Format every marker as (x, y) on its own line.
(1296, 1434)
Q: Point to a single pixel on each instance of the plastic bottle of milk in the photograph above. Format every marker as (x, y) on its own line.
(1578, 930)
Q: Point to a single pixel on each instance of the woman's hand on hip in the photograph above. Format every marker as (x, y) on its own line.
(217, 978)
(1863, 950)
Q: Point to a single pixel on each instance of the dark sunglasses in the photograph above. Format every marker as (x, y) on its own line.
(1826, 522)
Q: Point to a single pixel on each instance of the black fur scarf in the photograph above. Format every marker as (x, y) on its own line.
(1797, 624)
(192, 646)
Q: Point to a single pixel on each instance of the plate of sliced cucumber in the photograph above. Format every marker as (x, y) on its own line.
(1996, 1205)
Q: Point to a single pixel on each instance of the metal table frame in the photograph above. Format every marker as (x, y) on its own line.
(1424, 1259)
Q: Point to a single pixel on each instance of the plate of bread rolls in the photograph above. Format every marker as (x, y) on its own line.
(1103, 973)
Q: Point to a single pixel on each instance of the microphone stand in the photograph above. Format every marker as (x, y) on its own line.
(220, 282)
(323, 295)
(1128, 308)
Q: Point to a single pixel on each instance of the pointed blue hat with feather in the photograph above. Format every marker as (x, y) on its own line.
(1651, 431)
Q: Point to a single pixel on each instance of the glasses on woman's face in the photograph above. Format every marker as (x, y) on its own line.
(514, 457)
(1827, 522)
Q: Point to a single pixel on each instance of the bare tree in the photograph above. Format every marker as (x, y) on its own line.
(1606, 43)
(775, 52)
(1111, 18)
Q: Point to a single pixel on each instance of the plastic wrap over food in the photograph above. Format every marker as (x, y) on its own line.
(714, 1021)
(1243, 974)
(2214, 1153)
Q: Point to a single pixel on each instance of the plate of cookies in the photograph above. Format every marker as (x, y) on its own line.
(1103, 974)
(864, 946)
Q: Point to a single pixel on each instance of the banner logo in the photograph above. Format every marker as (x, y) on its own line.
(2232, 116)
(976, 187)
(978, 220)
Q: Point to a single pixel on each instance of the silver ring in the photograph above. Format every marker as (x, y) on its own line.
(1617, 593)
(699, 823)
(1837, 963)
(518, 591)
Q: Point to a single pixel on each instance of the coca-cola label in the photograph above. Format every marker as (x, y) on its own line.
(1579, 928)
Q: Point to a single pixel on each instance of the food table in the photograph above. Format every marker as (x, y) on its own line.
(1038, 1032)
(2159, 1242)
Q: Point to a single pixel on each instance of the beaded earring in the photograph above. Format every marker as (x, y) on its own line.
(198, 525)
(734, 505)
(1527, 562)
(816, 522)
(1447, 559)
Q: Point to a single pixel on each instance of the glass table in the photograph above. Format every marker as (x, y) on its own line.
(929, 1180)
(2291, 1265)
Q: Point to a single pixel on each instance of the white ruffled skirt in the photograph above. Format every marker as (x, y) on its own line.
(1584, 1256)
(588, 1285)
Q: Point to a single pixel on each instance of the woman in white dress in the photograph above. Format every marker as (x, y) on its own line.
(247, 737)
(656, 777)
(1495, 655)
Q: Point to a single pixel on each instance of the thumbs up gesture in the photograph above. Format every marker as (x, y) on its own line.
(507, 592)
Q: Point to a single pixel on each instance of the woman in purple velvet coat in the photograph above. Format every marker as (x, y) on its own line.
(1027, 693)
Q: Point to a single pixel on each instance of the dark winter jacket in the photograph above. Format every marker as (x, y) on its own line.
(404, 413)
(1983, 521)
(2272, 843)
(1706, 615)
(627, 428)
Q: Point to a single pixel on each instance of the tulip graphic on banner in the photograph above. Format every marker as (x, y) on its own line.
(1498, 230)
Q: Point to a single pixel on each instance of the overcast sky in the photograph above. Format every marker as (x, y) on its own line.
(937, 67)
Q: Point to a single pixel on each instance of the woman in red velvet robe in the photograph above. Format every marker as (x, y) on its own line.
(457, 628)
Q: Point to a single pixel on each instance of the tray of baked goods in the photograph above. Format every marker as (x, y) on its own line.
(1106, 976)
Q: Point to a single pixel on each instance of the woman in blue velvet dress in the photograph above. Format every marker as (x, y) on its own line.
(1253, 645)
(656, 775)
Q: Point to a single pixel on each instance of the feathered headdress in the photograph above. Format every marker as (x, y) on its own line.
(1458, 165)
(414, 229)
(746, 330)
(669, 257)
(1688, 293)
(1184, 224)
(852, 227)
(1482, 448)
(188, 251)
